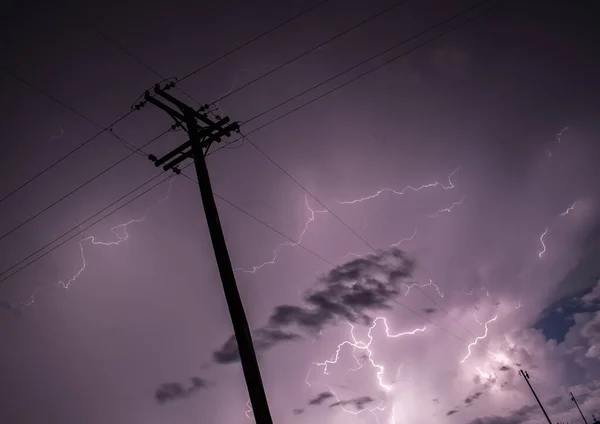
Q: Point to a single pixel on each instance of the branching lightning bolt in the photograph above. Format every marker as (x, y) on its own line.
(398, 243)
(541, 253)
(379, 407)
(360, 345)
(311, 218)
(448, 209)
(404, 190)
(121, 234)
(474, 343)
(569, 209)
(430, 283)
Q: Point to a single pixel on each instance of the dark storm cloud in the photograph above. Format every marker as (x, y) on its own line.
(321, 397)
(359, 403)
(519, 416)
(349, 291)
(470, 399)
(554, 401)
(451, 412)
(263, 339)
(170, 391)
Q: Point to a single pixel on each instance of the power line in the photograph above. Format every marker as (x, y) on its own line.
(395, 46)
(254, 39)
(55, 163)
(79, 187)
(19, 269)
(126, 51)
(312, 49)
(399, 56)
(428, 41)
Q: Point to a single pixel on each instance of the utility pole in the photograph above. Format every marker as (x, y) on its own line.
(525, 375)
(202, 132)
(578, 408)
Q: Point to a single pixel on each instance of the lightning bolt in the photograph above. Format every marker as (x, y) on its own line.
(121, 235)
(311, 218)
(249, 413)
(448, 209)
(377, 408)
(477, 339)
(560, 133)
(58, 137)
(398, 243)
(366, 347)
(569, 209)
(519, 305)
(404, 190)
(541, 253)
(430, 283)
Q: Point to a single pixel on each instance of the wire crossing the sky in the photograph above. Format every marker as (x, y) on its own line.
(121, 118)
(359, 76)
(62, 158)
(254, 39)
(266, 156)
(79, 187)
(313, 49)
(365, 73)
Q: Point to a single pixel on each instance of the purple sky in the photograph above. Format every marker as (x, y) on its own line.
(493, 128)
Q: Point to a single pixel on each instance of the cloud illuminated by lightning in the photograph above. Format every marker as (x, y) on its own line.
(477, 339)
(366, 347)
(448, 209)
(404, 190)
(121, 235)
(569, 209)
(541, 253)
(310, 219)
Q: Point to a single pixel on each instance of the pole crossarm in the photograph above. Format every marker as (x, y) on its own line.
(208, 131)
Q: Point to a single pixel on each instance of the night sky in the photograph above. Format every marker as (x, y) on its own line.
(446, 203)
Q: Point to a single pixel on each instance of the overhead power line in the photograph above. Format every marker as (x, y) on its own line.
(361, 75)
(387, 62)
(126, 51)
(16, 268)
(367, 72)
(315, 48)
(254, 39)
(79, 187)
(62, 158)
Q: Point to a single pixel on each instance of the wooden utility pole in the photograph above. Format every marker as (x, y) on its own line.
(525, 375)
(202, 132)
(578, 408)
